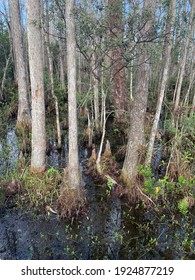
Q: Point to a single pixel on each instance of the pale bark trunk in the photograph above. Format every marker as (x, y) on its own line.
(119, 92)
(186, 100)
(137, 116)
(90, 130)
(193, 106)
(131, 82)
(38, 155)
(103, 105)
(192, 75)
(6, 16)
(62, 53)
(62, 64)
(5, 73)
(183, 61)
(167, 58)
(16, 30)
(95, 91)
(50, 61)
(73, 164)
(102, 142)
(79, 58)
(42, 32)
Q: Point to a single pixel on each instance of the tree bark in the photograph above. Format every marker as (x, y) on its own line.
(193, 106)
(166, 57)
(50, 61)
(192, 75)
(95, 83)
(38, 155)
(119, 91)
(137, 115)
(73, 164)
(184, 56)
(16, 31)
(62, 53)
(4, 74)
(62, 63)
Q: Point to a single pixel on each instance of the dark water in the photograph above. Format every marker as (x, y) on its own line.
(110, 229)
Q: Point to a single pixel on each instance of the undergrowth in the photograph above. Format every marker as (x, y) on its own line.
(43, 193)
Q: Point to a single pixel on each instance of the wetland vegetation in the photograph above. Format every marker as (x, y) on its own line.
(97, 130)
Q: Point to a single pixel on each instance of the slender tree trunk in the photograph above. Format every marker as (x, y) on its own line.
(62, 64)
(131, 82)
(193, 106)
(192, 76)
(79, 80)
(73, 164)
(6, 16)
(103, 103)
(167, 58)
(62, 53)
(101, 143)
(16, 31)
(103, 123)
(50, 61)
(96, 92)
(38, 155)
(137, 115)
(5, 73)
(119, 92)
(184, 56)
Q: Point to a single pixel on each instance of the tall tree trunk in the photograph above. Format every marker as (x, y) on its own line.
(16, 31)
(95, 83)
(184, 56)
(192, 75)
(6, 16)
(73, 164)
(119, 92)
(137, 115)
(62, 63)
(50, 61)
(38, 155)
(166, 57)
(62, 54)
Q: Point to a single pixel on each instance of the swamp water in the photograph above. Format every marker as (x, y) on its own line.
(110, 229)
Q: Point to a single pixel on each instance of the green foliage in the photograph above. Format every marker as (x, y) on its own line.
(154, 188)
(38, 189)
(149, 181)
(51, 173)
(118, 237)
(186, 185)
(183, 206)
(109, 186)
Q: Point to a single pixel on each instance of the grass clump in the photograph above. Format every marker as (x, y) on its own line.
(43, 193)
(39, 190)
